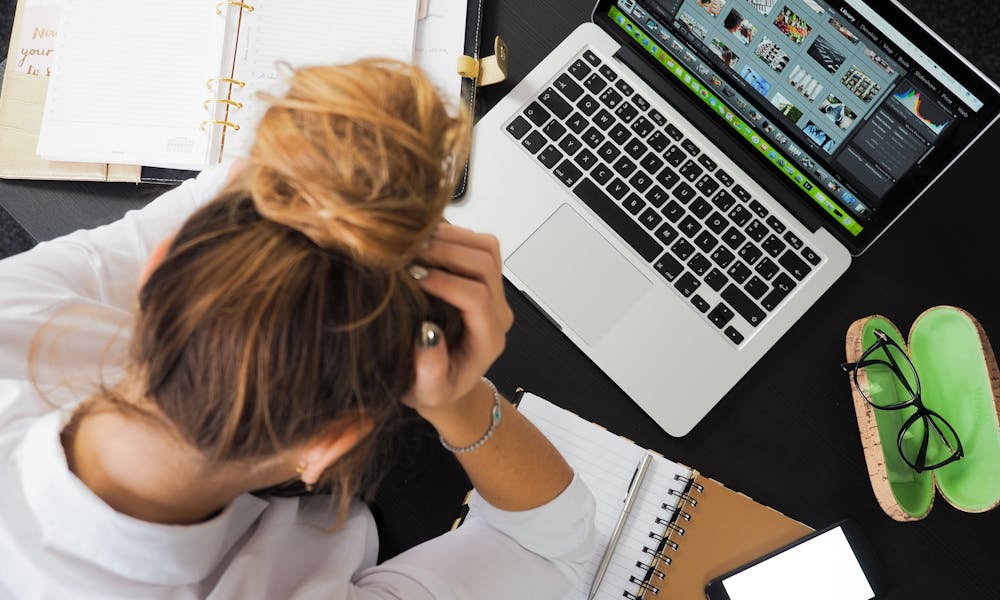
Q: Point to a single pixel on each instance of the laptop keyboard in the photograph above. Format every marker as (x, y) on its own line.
(717, 246)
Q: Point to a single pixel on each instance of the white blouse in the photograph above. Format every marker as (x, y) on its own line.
(59, 540)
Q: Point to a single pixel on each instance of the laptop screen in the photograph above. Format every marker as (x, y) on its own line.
(857, 114)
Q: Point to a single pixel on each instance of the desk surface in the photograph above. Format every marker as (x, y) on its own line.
(786, 434)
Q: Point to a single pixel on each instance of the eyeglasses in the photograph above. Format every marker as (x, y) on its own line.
(926, 440)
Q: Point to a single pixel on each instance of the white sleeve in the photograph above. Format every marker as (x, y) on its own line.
(92, 271)
(539, 553)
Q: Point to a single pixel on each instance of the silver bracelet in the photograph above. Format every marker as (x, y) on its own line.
(495, 415)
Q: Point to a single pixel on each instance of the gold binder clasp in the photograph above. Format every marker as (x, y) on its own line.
(228, 80)
(207, 123)
(218, 7)
(489, 70)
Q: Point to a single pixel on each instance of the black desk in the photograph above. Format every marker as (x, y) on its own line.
(786, 434)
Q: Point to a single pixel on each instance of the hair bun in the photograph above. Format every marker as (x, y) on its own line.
(361, 157)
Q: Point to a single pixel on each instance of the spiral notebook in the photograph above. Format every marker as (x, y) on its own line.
(684, 528)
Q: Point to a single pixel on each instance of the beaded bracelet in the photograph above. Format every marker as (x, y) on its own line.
(495, 415)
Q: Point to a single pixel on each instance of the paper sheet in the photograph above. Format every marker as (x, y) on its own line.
(440, 41)
(36, 41)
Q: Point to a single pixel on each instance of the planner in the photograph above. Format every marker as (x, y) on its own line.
(176, 84)
(684, 528)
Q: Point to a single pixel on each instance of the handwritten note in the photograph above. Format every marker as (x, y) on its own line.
(36, 41)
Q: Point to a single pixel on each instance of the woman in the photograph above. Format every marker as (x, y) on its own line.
(286, 309)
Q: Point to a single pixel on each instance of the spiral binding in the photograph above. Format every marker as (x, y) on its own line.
(210, 103)
(660, 552)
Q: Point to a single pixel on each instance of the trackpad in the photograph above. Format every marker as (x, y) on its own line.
(578, 274)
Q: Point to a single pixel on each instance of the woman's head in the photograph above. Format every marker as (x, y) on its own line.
(283, 307)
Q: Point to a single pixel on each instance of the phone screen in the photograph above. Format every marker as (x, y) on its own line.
(821, 568)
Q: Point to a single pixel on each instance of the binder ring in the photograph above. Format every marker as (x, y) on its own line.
(228, 80)
(232, 103)
(697, 486)
(218, 7)
(656, 572)
(657, 555)
(675, 527)
(662, 521)
(643, 585)
(684, 497)
(684, 515)
(205, 124)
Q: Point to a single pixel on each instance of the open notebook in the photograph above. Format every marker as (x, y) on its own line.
(684, 529)
(174, 84)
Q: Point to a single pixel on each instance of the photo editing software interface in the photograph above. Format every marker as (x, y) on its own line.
(838, 100)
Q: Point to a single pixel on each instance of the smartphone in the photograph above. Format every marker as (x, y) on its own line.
(835, 563)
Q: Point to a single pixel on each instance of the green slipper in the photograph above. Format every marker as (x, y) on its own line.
(960, 381)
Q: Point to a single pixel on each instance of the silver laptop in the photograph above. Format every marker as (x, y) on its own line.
(680, 180)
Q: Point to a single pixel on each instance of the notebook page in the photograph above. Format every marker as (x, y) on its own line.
(440, 41)
(129, 82)
(312, 32)
(606, 463)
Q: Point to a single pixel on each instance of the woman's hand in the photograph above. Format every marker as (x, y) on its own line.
(464, 270)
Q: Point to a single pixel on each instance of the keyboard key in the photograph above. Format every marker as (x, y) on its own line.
(668, 266)
(603, 119)
(741, 193)
(567, 173)
(691, 170)
(716, 222)
(626, 112)
(783, 283)
(579, 69)
(706, 185)
(723, 200)
(640, 102)
(608, 72)
(735, 336)
(518, 127)
(593, 137)
(657, 117)
(750, 253)
(794, 265)
(674, 156)
(687, 284)
(624, 87)
(569, 88)
(608, 151)
(700, 303)
(699, 264)
(684, 193)
(774, 298)
(793, 240)
(656, 196)
(658, 142)
(743, 305)
(650, 218)
(570, 145)
(722, 256)
(709, 164)
(634, 204)
(587, 105)
(674, 133)
(810, 256)
(610, 98)
(640, 181)
(585, 159)
(612, 214)
(756, 287)
(758, 209)
(720, 315)
(775, 224)
(740, 215)
(666, 234)
(602, 174)
(689, 226)
(590, 57)
(700, 207)
(733, 238)
(642, 127)
(716, 279)
(537, 114)
(550, 157)
(774, 246)
(554, 130)
(673, 211)
(651, 163)
(766, 268)
(635, 148)
(617, 188)
(756, 230)
(726, 179)
(595, 83)
(577, 123)
(668, 178)
(682, 249)
(534, 142)
(690, 147)
(739, 272)
(706, 241)
(620, 134)
(623, 166)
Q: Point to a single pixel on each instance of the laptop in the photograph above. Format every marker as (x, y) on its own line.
(680, 180)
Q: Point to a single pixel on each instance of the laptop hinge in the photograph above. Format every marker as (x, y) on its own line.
(740, 153)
